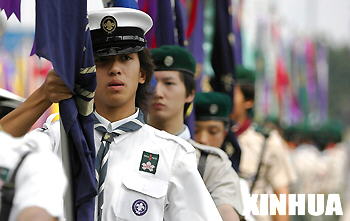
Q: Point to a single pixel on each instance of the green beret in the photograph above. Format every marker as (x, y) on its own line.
(173, 58)
(244, 75)
(212, 106)
(332, 131)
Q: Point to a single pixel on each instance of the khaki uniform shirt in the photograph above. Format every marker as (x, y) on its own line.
(311, 168)
(219, 177)
(276, 169)
(335, 159)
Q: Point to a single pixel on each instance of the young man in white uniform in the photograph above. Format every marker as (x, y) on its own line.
(38, 184)
(142, 172)
(175, 68)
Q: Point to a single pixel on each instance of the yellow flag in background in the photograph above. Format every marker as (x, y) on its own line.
(55, 109)
(20, 77)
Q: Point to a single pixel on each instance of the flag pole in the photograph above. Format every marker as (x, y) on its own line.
(68, 196)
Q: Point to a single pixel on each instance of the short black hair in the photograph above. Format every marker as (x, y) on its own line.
(190, 86)
(147, 67)
(248, 91)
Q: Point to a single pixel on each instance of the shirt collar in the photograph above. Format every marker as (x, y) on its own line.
(185, 133)
(110, 126)
(240, 129)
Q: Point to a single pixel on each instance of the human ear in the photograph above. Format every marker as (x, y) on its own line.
(190, 97)
(248, 104)
(142, 77)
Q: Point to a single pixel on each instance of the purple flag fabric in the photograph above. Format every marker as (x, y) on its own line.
(322, 77)
(195, 46)
(196, 39)
(238, 41)
(62, 36)
(150, 7)
(10, 7)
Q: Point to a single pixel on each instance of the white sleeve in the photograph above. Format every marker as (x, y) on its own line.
(40, 182)
(188, 198)
(52, 129)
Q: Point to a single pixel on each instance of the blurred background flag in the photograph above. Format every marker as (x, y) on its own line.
(121, 3)
(11, 7)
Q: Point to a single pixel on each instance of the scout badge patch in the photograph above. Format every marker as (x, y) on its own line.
(4, 172)
(149, 162)
(139, 207)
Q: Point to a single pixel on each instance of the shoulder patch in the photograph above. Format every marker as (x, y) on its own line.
(209, 149)
(4, 174)
(165, 135)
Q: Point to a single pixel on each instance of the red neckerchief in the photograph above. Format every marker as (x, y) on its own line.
(243, 127)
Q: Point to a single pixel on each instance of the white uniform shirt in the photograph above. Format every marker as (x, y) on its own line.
(40, 180)
(176, 190)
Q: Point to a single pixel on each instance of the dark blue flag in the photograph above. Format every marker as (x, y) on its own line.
(150, 7)
(180, 16)
(165, 24)
(222, 58)
(62, 36)
(223, 63)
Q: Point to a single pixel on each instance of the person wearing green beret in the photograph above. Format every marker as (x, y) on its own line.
(212, 117)
(173, 93)
(212, 124)
(258, 149)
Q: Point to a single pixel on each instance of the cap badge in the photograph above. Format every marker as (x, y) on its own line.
(168, 61)
(108, 24)
(213, 108)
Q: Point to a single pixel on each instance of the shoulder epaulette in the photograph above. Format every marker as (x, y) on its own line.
(209, 149)
(183, 143)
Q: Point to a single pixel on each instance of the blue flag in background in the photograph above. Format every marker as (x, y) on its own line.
(62, 36)
(121, 3)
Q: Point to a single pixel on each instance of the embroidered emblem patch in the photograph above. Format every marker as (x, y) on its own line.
(139, 207)
(149, 162)
(4, 173)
